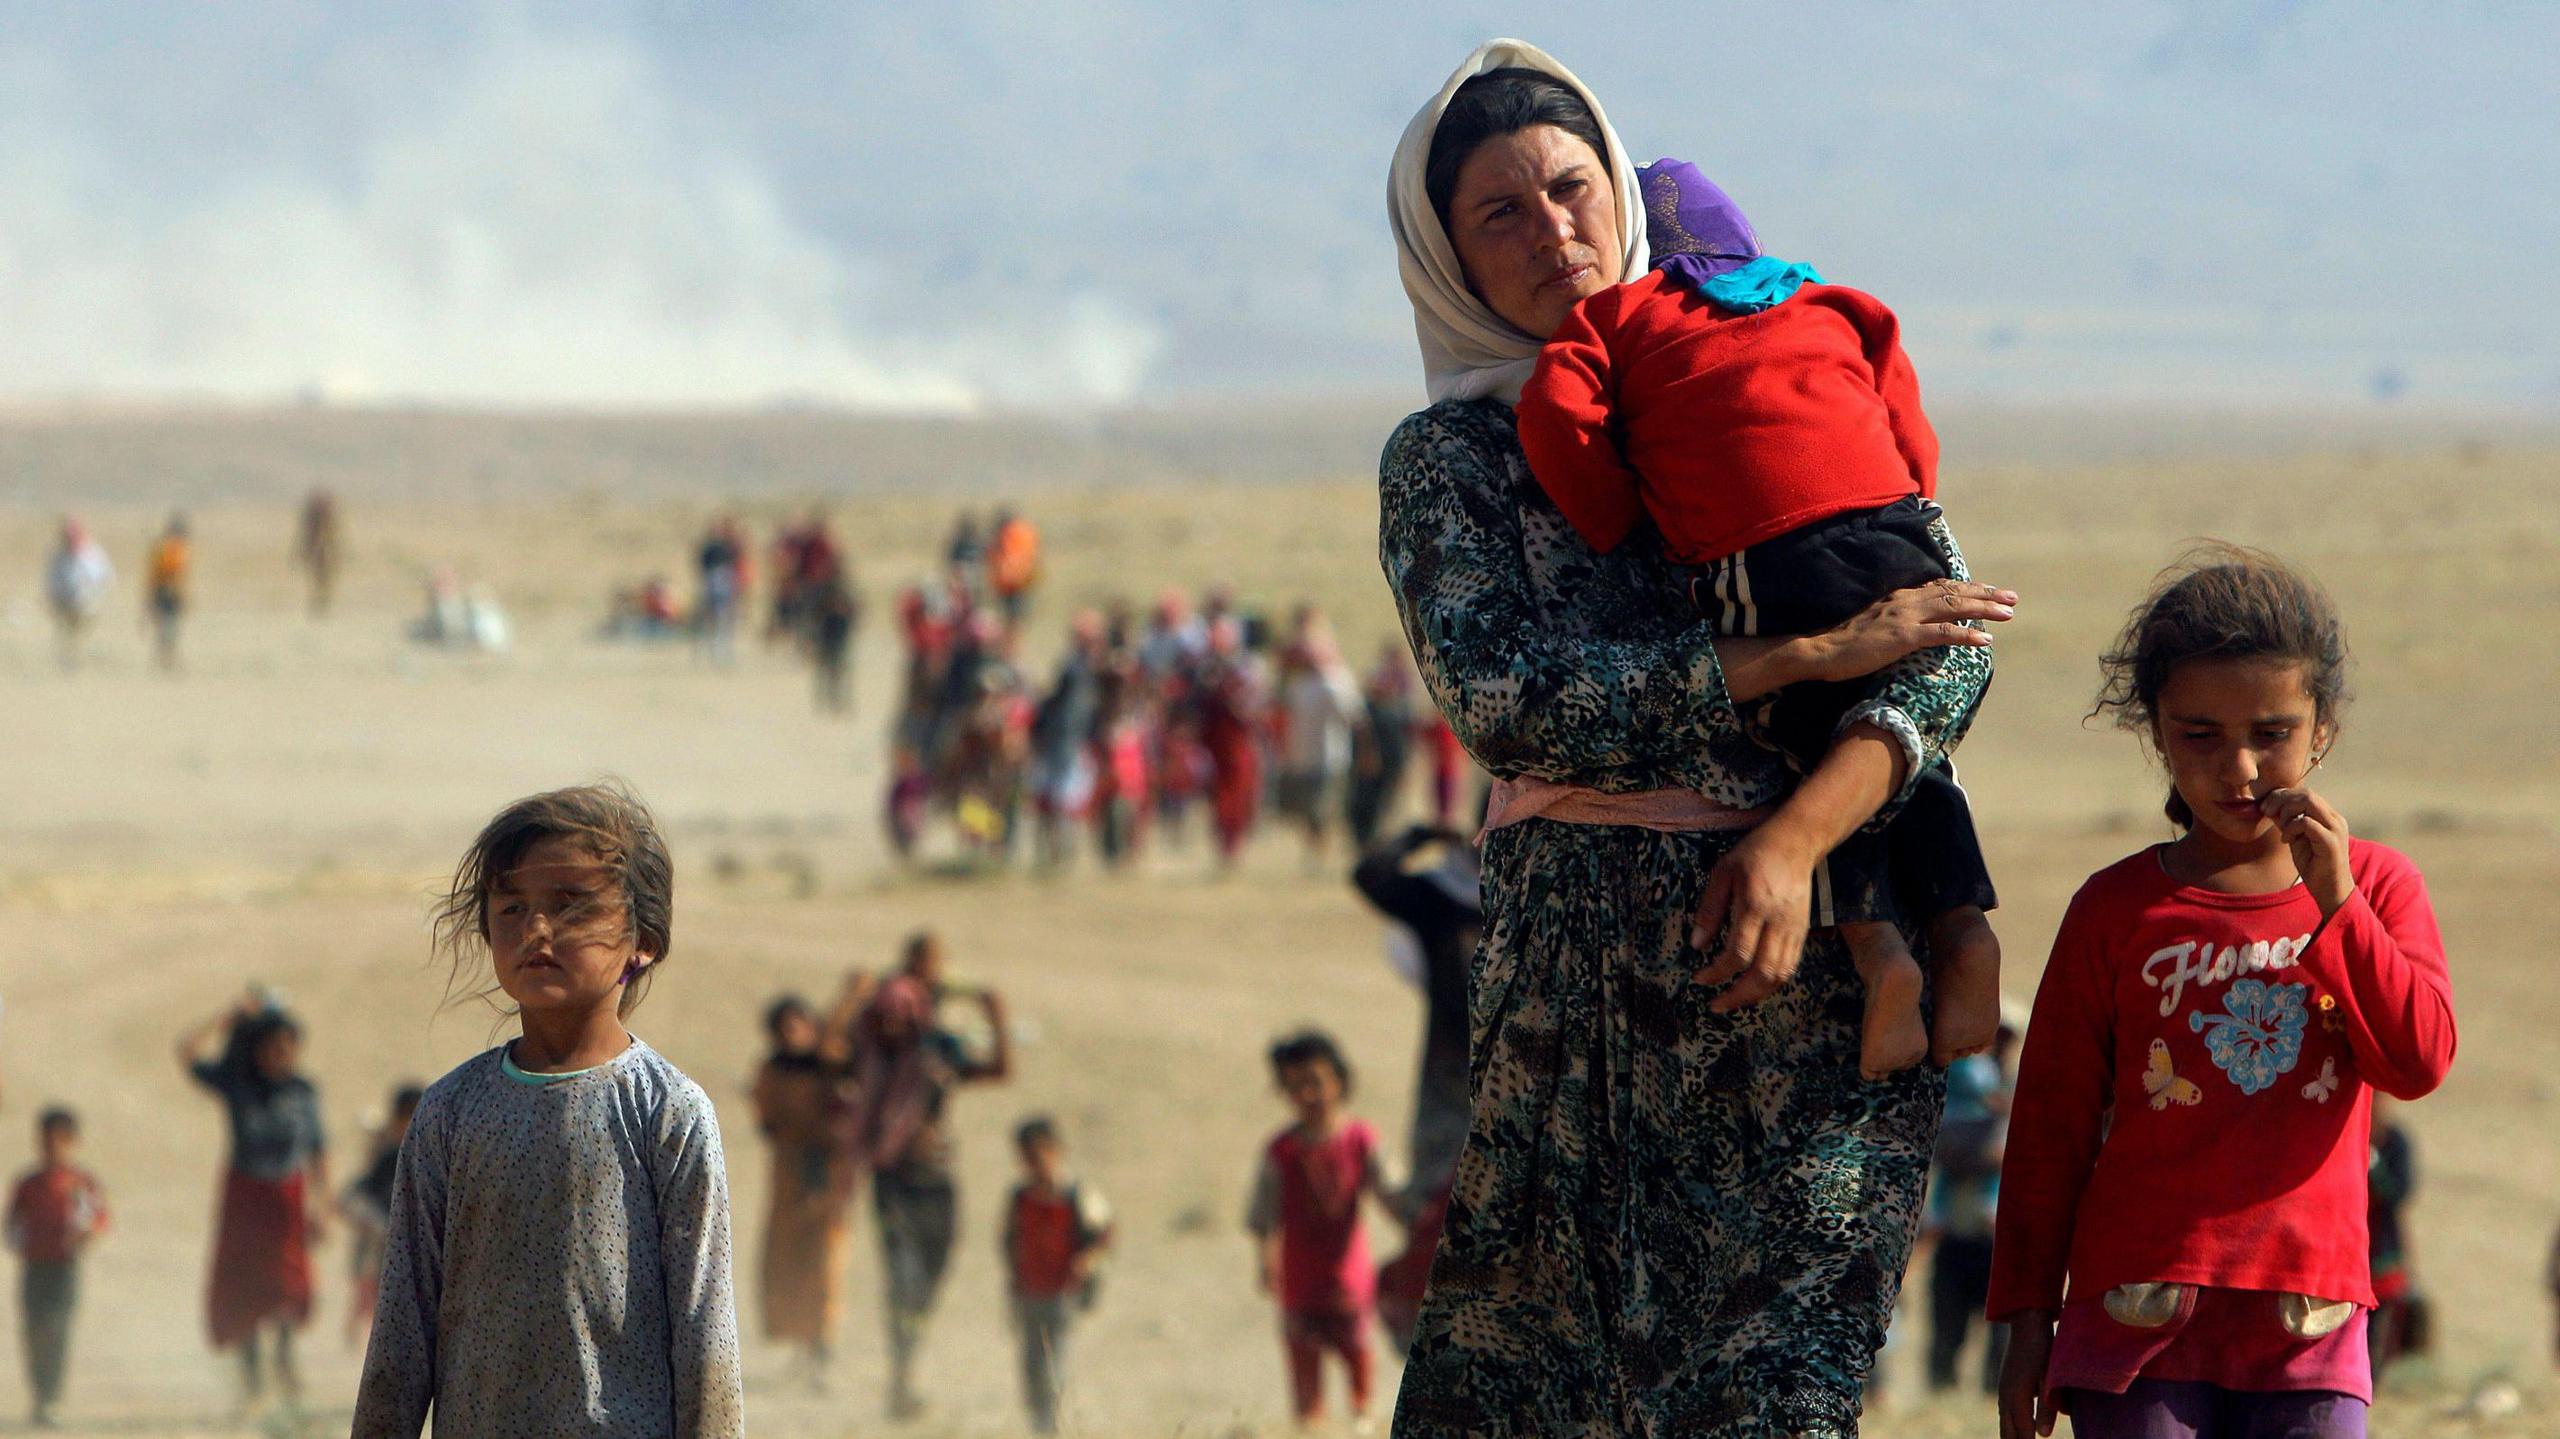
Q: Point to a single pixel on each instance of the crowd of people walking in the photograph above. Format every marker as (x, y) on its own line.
(1201, 718)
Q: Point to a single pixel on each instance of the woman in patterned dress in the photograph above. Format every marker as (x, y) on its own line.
(1680, 1210)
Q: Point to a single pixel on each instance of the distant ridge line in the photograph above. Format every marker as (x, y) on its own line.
(57, 453)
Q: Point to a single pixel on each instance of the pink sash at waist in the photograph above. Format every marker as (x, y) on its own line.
(1672, 811)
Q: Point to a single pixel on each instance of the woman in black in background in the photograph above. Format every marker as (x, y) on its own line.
(1442, 909)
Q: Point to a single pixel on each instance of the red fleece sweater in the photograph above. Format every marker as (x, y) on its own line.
(1727, 429)
(2192, 1102)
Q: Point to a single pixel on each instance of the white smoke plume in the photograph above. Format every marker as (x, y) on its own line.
(551, 230)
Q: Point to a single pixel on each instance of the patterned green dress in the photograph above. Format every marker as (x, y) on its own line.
(1666, 1221)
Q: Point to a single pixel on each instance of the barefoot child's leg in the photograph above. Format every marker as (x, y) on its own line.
(1964, 961)
(1892, 1036)
(1942, 879)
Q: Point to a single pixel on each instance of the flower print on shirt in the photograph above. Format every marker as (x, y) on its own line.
(2260, 1037)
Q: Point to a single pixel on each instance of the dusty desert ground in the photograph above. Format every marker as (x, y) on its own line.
(281, 812)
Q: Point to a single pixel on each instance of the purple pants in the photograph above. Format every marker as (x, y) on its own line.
(2188, 1409)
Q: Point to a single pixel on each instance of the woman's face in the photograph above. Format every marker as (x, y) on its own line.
(1534, 219)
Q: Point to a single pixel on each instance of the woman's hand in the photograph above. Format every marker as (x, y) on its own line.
(2317, 835)
(1907, 621)
(2025, 1413)
(1760, 895)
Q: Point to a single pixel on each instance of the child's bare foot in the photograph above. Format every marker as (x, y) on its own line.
(1892, 1036)
(1964, 958)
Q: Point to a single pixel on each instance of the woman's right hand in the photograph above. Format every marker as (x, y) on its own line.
(2025, 1412)
(1908, 621)
(1760, 898)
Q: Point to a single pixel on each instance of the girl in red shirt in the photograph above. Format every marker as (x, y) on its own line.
(1311, 1251)
(2189, 1138)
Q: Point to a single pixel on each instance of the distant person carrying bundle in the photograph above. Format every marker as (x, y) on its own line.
(905, 1066)
(275, 1190)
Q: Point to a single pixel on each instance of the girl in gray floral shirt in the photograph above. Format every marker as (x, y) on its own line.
(558, 1256)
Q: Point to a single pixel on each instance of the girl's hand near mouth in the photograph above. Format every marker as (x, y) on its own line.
(2317, 835)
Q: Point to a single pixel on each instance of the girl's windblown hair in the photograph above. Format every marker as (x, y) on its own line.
(610, 823)
(2228, 602)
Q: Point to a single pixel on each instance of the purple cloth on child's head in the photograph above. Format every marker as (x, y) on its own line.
(1695, 230)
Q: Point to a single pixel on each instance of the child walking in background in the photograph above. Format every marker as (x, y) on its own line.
(1770, 427)
(2402, 1323)
(559, 1234)
(367, 1209)
(275, 1188)
(1056, 1230)
(1311, 1249)
(1964, 1197)
(54, 1213)
(2188, 1141)
(800, 1108)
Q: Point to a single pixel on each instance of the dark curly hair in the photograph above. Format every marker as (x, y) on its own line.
(2222, 601)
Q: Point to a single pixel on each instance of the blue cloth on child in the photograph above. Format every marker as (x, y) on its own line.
(1757, 284)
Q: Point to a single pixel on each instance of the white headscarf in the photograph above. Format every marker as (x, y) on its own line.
(1468, 351)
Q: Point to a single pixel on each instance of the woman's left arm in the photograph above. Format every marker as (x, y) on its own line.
(1760, 895)
(1925, 701)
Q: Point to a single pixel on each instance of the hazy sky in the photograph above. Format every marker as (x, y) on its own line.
(957, 203)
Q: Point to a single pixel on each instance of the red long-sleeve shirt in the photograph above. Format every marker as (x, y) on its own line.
(2192, 1101)
(1727, 429)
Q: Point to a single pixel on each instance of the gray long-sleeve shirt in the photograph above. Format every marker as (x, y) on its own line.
(558, 1261)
